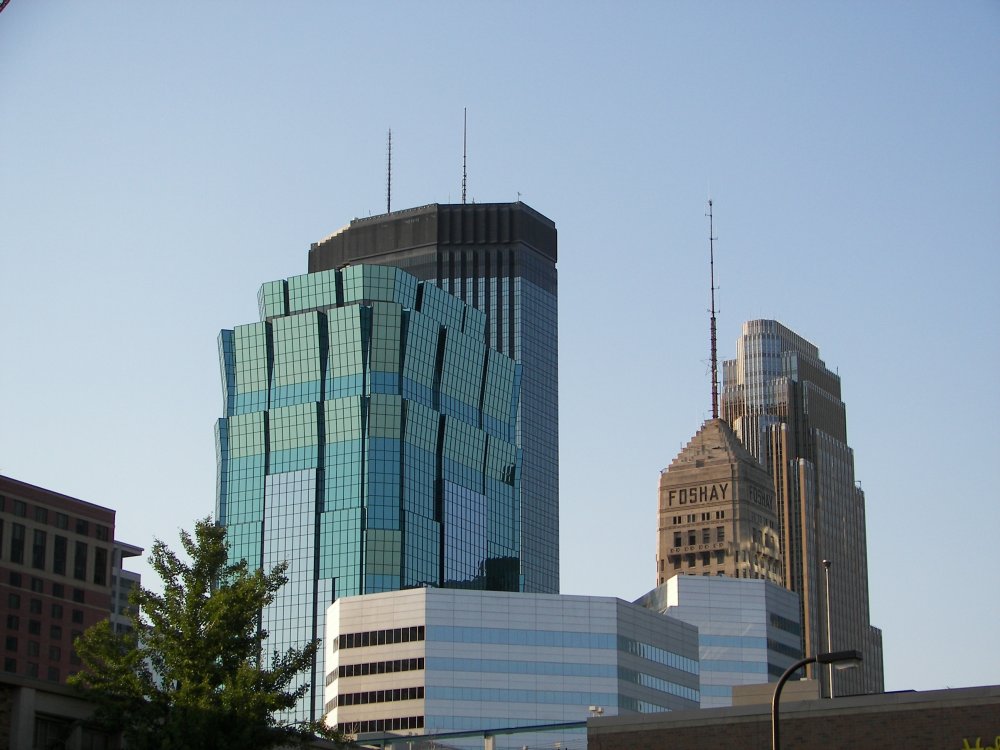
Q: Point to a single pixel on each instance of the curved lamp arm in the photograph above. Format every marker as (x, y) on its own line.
(776, 698)
(841, 658)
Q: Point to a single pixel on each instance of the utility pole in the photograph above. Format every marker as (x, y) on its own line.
(829, 642)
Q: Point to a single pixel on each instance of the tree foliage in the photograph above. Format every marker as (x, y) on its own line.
(191, 674)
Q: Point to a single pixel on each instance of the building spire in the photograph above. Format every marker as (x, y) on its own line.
(465, 132)
(388, 176)
(715, 359)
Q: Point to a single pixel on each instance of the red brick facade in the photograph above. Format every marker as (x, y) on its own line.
(55, 577)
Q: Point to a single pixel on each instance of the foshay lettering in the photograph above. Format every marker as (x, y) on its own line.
(760, 497)
(707, 493)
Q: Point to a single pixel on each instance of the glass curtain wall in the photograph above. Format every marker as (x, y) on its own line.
(369, 443)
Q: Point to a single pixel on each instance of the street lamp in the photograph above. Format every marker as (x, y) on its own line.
(840, 659)
(829, 639)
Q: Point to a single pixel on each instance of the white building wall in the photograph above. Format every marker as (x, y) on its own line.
(367, 614)
(500, 660)
(748, 629)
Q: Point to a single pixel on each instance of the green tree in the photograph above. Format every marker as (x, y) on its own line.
(191, 674)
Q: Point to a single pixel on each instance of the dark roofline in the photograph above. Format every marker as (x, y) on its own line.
(876, 703)
(430, 207)
(401, 236)
(41, 494)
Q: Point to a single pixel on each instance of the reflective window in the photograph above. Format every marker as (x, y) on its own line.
(38, 549)
(80, 561)
(17, 534)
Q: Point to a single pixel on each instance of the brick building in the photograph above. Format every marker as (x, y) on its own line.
(60, 573)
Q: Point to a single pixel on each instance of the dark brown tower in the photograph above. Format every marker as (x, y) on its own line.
(499, 258)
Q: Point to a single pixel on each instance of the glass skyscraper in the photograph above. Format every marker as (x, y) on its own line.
(785, 406)
(368, 441)
(500, 259)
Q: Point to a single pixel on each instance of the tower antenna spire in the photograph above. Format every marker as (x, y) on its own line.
(711, 265)
(465, 143)
(388, 176)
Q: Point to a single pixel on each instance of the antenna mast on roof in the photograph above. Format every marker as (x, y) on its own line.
(388, 177)
(711, 264)
(465, 131)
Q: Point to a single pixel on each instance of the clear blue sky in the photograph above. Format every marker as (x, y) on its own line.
(160, 160)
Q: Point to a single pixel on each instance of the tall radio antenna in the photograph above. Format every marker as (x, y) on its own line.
(388, 177)
(711, 264)
(465, 132)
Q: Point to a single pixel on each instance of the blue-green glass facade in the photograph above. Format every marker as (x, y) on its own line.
(369, 441)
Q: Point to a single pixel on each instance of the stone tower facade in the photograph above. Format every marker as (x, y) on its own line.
(717, 512)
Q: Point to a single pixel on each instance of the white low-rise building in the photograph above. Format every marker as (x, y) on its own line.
(432, 661)
(748, 629)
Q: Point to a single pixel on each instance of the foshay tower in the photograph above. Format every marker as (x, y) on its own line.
(768, 491)
(717, 511)
(717, 508)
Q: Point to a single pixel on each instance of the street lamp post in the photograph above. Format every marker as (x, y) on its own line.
(829, 638)
(842, 659)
